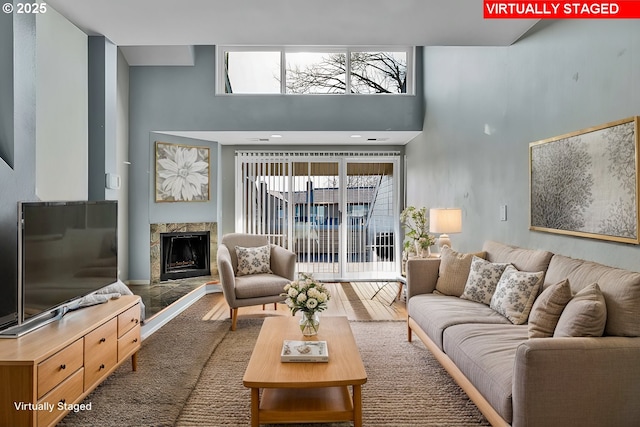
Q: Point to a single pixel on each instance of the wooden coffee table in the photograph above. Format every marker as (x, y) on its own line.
(304, 391)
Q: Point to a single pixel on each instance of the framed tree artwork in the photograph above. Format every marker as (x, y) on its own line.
(585, 183)
(182, 173)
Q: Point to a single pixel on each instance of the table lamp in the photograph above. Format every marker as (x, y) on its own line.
(445, 221)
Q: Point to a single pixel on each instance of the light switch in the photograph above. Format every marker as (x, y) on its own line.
(503, 212)
(113, 181)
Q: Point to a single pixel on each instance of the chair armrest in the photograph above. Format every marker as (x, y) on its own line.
(283, 262)
(226, 273)
(422, 275)
(577, 381)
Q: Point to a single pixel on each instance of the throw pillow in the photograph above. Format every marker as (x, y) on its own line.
(253, 260)
(515, 294)
(454, 271)
(584, 316)
(482, 280)
(547, 309)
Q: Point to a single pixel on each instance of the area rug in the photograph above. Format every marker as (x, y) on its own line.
(190, 374)
(406, 386)
(169, 365)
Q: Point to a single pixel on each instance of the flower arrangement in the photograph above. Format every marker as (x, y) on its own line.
(306, 295)
(416, 224)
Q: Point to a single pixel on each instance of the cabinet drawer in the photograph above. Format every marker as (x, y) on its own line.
(100, 352)
(128, 319)
(56, 368)
(129, 343)
(67, 392)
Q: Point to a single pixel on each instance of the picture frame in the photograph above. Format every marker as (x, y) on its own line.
(182, 172)
(585, 183)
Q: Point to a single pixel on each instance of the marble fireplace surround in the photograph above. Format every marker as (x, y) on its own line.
(175, 227)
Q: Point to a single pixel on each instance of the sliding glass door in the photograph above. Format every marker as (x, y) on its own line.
(337, 212)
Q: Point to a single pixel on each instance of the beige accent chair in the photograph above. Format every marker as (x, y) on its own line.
(253, 289)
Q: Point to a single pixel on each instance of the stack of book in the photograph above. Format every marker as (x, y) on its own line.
(304, 351)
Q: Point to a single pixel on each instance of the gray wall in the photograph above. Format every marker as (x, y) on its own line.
(6, 88)
(183, 99)
(17, 179)
(485, 105)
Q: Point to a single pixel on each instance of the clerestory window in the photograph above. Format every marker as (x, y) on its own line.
(301, 70)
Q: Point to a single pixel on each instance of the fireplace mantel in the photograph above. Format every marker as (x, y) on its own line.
(173, 227)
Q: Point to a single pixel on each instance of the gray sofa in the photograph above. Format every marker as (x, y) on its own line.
(521, 381)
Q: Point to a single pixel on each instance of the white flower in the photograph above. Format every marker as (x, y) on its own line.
(183, 176)
(287, 286)
(312, 303)
(322, 297)
(301, 297)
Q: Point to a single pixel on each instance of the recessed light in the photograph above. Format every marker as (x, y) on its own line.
(275, 135)
(356, 136)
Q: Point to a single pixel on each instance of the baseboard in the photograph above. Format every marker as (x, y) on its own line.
(163, 317)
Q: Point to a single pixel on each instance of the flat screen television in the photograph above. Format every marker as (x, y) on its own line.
(66, 250)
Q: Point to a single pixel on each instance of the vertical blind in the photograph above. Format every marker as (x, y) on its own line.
(338, 211)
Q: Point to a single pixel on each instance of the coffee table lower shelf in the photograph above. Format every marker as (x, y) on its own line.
(298, 405)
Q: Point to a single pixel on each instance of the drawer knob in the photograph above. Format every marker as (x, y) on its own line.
(63, 401)
(103, 339)
(63, 366)
(135, 340)
(101, 367)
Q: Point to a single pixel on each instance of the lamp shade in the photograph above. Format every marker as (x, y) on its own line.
(445, 220)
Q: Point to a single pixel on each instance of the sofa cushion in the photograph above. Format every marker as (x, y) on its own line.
(584, 316)
(260, 285)
(522, 259)
(515, 294)
(547, 309)
(482, 280)
(485, 354)
(434, 313)
(621, 290)
(454, 271)
(254, 260)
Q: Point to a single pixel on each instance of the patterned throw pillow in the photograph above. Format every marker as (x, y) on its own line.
(547, 309)
(515, 293)
(253, 260)
(584, 316)
(482, 280)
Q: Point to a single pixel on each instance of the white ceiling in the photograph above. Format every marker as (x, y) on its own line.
(163, 32)
(324, 138)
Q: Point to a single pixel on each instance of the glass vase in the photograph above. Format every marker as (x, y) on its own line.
(309, 323)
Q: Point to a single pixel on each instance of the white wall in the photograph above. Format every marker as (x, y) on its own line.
(61, 109)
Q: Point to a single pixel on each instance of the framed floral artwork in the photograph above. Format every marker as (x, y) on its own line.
(182, 173)
(586, 183)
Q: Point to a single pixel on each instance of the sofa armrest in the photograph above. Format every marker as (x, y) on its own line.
(283, 262)
(422, 275)
(226, 273)
(577, 381)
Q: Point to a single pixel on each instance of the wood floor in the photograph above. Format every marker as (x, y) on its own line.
(356, 300)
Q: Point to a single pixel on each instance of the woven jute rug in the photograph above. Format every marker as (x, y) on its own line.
(406, 386)
(190, 374)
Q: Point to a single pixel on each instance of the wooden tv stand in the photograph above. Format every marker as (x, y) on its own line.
(59, 364)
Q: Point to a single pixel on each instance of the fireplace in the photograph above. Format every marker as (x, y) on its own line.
(157, 229)
(184, 254)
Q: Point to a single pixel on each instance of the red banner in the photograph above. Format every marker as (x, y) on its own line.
(627, 9)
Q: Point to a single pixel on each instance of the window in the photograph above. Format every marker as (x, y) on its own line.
(311, 70)
(252, 72)
(379, 72)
